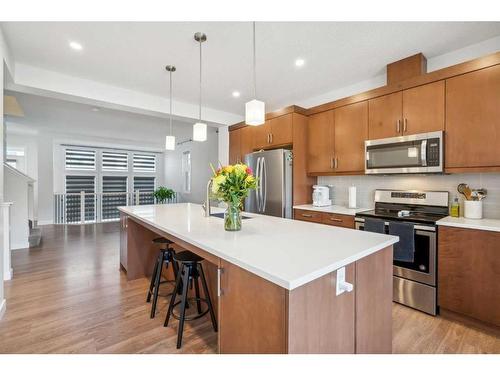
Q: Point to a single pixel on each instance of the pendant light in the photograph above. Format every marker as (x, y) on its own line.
(200, 128)
(170, 139)
(255, 110)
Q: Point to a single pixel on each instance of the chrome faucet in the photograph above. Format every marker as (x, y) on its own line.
(206, 205)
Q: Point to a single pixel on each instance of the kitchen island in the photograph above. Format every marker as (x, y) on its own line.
(277, 284)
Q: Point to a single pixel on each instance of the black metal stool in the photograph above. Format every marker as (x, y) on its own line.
(165, 257)
(190, 272)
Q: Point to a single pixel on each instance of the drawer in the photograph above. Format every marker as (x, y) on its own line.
(338, 220)
(305, 215)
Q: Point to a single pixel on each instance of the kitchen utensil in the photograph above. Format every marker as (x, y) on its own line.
(465, 191)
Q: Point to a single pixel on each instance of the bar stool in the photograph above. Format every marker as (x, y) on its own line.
(190, 272)
(165, 257)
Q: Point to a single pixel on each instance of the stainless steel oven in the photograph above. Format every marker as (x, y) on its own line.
(418, 153)
(415, 283)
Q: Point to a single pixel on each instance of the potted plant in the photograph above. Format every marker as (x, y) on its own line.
(232, 184)
(163, 194)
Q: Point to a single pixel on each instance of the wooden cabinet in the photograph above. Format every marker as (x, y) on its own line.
(469, 273)
(345, 221)
(275, 132)
(281, 130)
(384, 116)
(321, 143)
(423, 108)
(473, 121)
(306, 215)
(261, 135)
(336, 140)
(351, 131)
(235, 146)
(246, 141)
(123, 241)
(258, 326)
(416, 110)
(338, 220)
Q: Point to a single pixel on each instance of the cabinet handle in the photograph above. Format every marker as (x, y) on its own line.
(219, 290)
(398, 126)
(335, 219)
(307, 215)
(271, 138)
(336, 162)
(405, 126)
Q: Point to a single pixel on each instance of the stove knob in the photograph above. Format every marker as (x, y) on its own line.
(422, 268)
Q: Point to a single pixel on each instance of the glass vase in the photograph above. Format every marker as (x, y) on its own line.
(232, 217)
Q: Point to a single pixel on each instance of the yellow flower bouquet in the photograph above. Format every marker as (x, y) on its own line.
(231, 184)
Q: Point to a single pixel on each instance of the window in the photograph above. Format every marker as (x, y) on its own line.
(83, 160)
(145, 186)
(74, 186)
(114, 161)
(114, 189)
(186, 171)
(144, 163)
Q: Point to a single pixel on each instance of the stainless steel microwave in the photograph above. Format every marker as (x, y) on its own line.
(418, 153)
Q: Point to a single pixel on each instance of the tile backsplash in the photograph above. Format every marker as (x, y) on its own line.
(366, 186)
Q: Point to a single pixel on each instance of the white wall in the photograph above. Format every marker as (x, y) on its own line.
(366, 186)
(30, 146)
(202, 154)
(16, 191)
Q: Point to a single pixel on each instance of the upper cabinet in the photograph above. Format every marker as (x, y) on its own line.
(246, 141)
(275, 132)
(320, 158)
(416, 110)
(336, 140)
(235, 155)
(473, 120)
(384, 116)
(351, 131)
(423, 108)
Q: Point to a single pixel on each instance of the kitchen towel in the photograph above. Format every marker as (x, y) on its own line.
(374, 225)
(404, 250)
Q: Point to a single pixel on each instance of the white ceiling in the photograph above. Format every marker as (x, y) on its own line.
(133, 55)
(46, 115)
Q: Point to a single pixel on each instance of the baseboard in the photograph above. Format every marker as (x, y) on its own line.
(44, 222)
(3, 305)
(20, 245)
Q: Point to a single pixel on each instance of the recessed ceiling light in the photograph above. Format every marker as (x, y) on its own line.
(299, 62)
(95, 109)
(236, 94)
(76, 46)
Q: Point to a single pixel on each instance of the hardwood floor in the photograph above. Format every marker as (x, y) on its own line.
(69, 296)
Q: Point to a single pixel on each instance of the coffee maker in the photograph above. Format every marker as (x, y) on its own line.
(321, 196)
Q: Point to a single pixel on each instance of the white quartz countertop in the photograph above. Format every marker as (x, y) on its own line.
(333, 209)
(289, 253)
(462, 222)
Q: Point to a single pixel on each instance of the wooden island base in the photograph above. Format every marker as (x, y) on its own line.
(258, 316)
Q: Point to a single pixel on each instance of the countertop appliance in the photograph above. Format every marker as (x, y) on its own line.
(273, 195)
(321, 196)
(418, 153)
(414, 283)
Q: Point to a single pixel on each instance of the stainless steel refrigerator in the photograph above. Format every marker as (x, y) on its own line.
(273, 195)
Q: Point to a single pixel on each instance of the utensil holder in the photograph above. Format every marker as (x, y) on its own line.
(473, 209)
